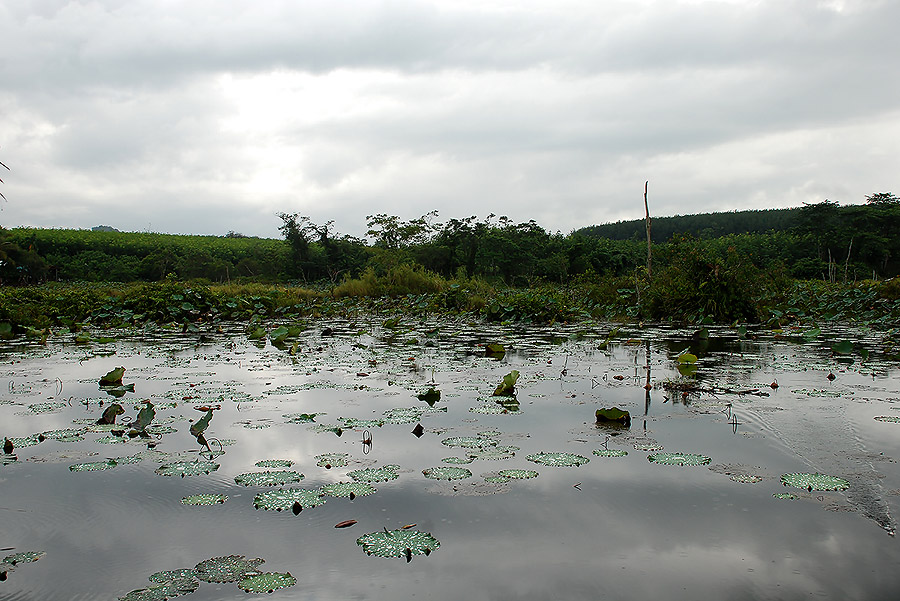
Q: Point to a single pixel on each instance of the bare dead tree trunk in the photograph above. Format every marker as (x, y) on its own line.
(847, 262)
(649, 252)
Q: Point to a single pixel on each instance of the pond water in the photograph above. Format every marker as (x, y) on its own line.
(635, 519)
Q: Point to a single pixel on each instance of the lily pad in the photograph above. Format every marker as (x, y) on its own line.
(518, 474)
(458, 460)
(204, 499)
(375, 474)
(93, 466)
(493, 453)
(228, 568)
(348, 489)
(170, 575)
(24, 557)
(187, 468)
(329, 460)
(289, 498)
(447, 473)
(267, 582)
(889, 418)
(814, 481)
(272, 463)
(277, 478)
(469, 442)
(558, 459)
(163, 591)
(398, 543)
(64, 435)
(495, 409)
(679, 459)
(610, 453)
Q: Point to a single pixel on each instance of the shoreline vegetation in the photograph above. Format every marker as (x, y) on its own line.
(788, 268)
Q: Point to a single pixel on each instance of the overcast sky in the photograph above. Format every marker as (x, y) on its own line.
(190, 116)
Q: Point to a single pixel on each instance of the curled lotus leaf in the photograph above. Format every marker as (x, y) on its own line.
(64, 435)
(447, 473)
(170, 575)
(187, 468)
(286, 498)
(24, 557)
(266, 582)
(679, 459)
(204, 499)
(375, 474)
(558, 459)
(814, 481)
(493, 453)
(163, 591)
(518, 474)
(328, 460)
(228, 568)
(347, 489)
(277, 478)
(93, 466)
(458, 460)
(469, 442)
(610, 453)
(273, 463)
(398, 543)
(889, 418)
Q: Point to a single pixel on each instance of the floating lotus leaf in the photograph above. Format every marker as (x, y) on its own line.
(46, 407)
(170, 575)
(204, 499)
(24, 557)
(469, 442)
(329, 460)
(558, 459)
(888, 418)
(322, 428)
(398, 543)
(93, 466)
(272, 463)
(375, 474)
(300, 418)
(25, 441)
(490, 433)
(163, 591)
(403, 415)
(129, 459)
(267, 582)
(346, 489)
(286, 498)
(494, 409)
(458, 460)
(278, 478)
(815, 481)
(496, 479)
(157, 429)
(64, 435)
(785, 495)
(229, 568)
(112, 439)
(610, 453)
(493, 453)
(351, 423)
(746, 478)
(447, 473)
(647, 446)
(519, 474)
(187, 468)
(679, 459)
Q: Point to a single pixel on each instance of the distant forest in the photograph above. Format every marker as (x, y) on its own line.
(816, 241)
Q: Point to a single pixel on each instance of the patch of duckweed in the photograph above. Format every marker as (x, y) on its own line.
(23, 557)
(64, 435)
(288, 499)
(679, 459)
(229, 568)
(814, 481)
(375, 474)
(187, 468)
(170, 575)
(746, 478)
(398, 543)
(785, 495)
(458, 460)
(48, 407)
(330, 460)
(267, 582)
(610, 453)
(518, 474)
(351, 423)
(93, 466)
(888, 418)
(348, 489)
(277, 478)
(273, 463)
(204, 499)
(446, 473)
(558, 459)
(469, 442)
(493, 453)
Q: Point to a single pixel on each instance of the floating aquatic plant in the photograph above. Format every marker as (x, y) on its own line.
(403, 415)
(277, 478)
(163, 591)
(272, 463)
(458, 460)
(888, 418)
(25, 441)
(815, 481)
(494, 409)
(679, 459)
(746, 478)
(295, 499)
(348, 489)
(330, 460)
(375, 474)
(647, 446)
(187, 468)
(267, 582)
(351, 423)
(784, 495)
(229, 568)
(93, 466)
(610, 453)
(24, 557)
(398, 543)
(447, 473)
(169, 575)
(469, 442)
(558, 459)
(7, 459)
(64, 435)
(496, 479)
(46, 407)
(493, 453)
(204, 499)
(300, 418)
(518, 474)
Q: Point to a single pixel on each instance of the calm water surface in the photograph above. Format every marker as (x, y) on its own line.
(613, 528)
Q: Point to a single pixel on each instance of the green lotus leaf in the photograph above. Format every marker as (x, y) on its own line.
(24, 557)
(458, 460)
(288, 498)
(163, 591)
(129, 459)
(508, 386)
(494, 409)
(784, 495)
(46, 407)
(112, 439)
(229, 568)
(347, 489)
(322, 428)
(679, 459)
(25, 441)
(610, 453)
(170, 575)
(647, 446)
(278, 478)
(888, 418)
(187, 468)
(493, 453)
(844, 347)
(558, 459)
(329, 460)
(64, 435)
(301, 418)
(447, 473)
(746, 478)
(204, 499)
(398, 543)
(113, 377)
(375, 474)
(496, 479)
(814, 481)
(469, 442)
(93, 466)
(267, 582)
(350, 423)
(518, 474)
(273, 463)
(403, 415)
